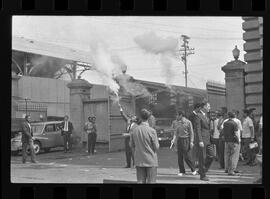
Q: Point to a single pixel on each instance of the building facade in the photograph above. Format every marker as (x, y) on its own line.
(253, 37)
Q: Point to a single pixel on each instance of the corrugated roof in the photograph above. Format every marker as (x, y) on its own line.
(48, 49)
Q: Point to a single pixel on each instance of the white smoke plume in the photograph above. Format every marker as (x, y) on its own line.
(152, 43)
(104, 66)
(164, 48)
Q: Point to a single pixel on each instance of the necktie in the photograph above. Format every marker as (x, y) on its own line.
(66, 126)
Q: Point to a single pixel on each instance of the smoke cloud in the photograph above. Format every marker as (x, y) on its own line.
(152, 43)
(164, 48)
(44, 66)
(104, 65)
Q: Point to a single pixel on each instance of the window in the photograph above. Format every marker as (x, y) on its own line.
(58, 126)
(50, 128)
(37, 129)
(153, 98)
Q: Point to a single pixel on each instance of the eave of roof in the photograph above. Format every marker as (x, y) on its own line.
(43, 48)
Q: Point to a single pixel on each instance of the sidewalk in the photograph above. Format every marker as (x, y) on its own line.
(78, 167)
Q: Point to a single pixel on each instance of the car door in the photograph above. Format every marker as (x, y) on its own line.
(58, 137)
(50, 135)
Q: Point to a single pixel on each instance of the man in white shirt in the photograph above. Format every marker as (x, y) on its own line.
(66, 131)
(247, 138)
(215, 134)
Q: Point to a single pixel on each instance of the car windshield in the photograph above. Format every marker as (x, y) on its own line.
(37, 129)
(163, 123)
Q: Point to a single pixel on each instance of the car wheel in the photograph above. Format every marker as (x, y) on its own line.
(37, 147)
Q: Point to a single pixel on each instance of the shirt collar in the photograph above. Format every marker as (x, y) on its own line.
(145, 123)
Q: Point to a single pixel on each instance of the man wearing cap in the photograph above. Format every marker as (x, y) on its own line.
(248, 137)
(91, 131)
(66, 131)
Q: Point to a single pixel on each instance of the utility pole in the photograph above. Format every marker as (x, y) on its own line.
(186, 52)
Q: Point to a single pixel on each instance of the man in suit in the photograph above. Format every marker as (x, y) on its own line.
(66, 131)
(192, 118)
(27, 140)
(205, 149)
(131, 124)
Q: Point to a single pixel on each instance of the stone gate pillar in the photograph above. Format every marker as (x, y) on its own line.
(235, 84)
(79, 91)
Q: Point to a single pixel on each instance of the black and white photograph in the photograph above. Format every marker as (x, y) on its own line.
(137, 99)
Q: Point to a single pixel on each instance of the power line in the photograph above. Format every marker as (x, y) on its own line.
(176, 32)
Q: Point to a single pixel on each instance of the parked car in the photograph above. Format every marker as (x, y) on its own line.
(164, 131)
(46, 135)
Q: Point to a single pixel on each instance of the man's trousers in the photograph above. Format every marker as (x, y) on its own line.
(221, 149)
(92, 137)
(183, 152)
(129, 152)
(24, 151)
(206, 155)
(67, 141)
(232, 151)
(146, 174)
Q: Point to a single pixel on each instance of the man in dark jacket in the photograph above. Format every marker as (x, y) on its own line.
(27, 140)
(232, 141)
(66, 131)
(205, 149)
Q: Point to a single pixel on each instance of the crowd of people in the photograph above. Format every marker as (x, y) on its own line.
(199, 139)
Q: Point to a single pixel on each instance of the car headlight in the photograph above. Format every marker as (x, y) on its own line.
(161, 131)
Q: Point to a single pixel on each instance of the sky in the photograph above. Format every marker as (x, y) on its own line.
(213, 39)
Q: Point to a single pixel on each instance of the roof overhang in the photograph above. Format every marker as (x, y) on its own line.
(44, 48)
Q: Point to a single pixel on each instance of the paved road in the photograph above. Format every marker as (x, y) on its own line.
(78, 167)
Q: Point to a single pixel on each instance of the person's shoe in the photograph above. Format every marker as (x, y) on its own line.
(247, 163)
(34, 161)
(253, 164)
(180, 174)
(195, 172)
(205, 178)
(226, 171)
(236, 171)
(127, 166)
(233, 174)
